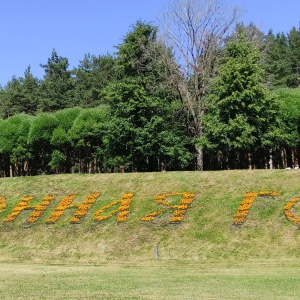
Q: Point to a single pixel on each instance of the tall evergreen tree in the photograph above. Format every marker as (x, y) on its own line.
(142, 107)
(11, 98)
(20, 95)
(251, 34)
(276, 65)
(57, 87)
(30, 90)
(241, 114)
(293, 58)
(91, 76)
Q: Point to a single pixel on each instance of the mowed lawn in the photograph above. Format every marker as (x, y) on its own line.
(152, 280)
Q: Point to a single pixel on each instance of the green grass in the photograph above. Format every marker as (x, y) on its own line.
(159, 280)
(204, 257)
(206, 233)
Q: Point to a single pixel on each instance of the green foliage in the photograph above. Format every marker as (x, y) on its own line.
(133, 53)
(293, 58)
(58, 161)
(87, 134)
(282, 64)
(67, 116)
(14, 133)
(241, 112)
(143, 132)
(14, 148)
(276, 65)
(39, 137)
(144, 119)
(42, 128)
(91, 76)
(57, 88)
(21, 95)
(289, 99)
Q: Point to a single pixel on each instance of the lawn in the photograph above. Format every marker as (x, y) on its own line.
(156, 280)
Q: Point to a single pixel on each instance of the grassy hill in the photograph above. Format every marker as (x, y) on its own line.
(206, 233)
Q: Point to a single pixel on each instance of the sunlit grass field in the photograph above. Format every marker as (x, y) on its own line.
(158, 280)
(205, 256)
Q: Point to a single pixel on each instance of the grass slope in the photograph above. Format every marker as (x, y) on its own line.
(206, 233)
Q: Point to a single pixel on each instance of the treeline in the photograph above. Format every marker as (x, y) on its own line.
(87, 140)
(122, 112)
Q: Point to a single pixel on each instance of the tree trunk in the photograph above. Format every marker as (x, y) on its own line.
(283, 157)
(271, 161)
(249, 161)
(199, 153)
(26, 168)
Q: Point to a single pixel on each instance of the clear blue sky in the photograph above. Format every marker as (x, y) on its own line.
(30, 29)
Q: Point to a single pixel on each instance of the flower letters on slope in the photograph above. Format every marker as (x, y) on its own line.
(246, 204)
(66, 203)
(24, 205)
(287, 211)
(120, 207)
(179, 209)
(122, 210)
(2, 204)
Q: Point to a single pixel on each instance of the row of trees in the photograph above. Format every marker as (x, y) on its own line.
(60, 88)
(282, 63)
(190, 96)
(246, 125)
(89, 140)
(99, 140)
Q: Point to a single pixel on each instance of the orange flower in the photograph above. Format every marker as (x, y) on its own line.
(122, 211)
(2, 204)
(287, 210)
(60, 209)
(246, 204)
(179, 209)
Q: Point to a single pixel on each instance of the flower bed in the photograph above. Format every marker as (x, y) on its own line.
(83, 208)
(179, 209)
(287, 211)
(2, 204)
(246, 204)
(122, 210)
(39, 209)
(24, 205)
(66, 203)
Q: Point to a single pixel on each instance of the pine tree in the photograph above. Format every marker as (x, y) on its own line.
(241, 112)
(293, 58)
(57, 88)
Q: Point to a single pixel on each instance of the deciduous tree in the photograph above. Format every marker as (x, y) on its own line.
(195, 31)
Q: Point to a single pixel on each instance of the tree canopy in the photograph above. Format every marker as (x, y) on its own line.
(198, 92)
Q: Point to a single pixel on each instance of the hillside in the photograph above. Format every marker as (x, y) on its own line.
(206, 233)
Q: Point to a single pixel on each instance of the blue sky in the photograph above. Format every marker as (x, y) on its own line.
(31, 29)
